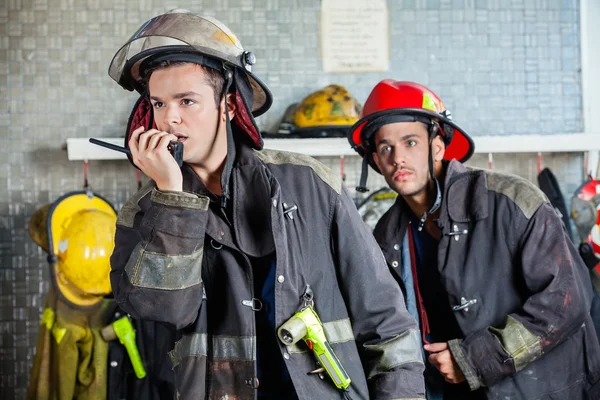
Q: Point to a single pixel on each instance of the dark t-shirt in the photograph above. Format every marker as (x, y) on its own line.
(442, 324)
(273, 376)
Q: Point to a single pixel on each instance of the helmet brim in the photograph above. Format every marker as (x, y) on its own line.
(459, 145)
(131, 75)
(189, 33)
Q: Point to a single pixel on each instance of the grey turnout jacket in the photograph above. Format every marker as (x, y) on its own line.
(519, 290)
(178, 261)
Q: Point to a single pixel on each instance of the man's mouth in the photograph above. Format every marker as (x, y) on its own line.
(402, 174)
(180, 137)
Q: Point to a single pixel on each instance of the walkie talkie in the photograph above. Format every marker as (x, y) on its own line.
(175, 148)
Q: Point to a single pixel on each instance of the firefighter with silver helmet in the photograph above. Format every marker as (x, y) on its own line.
(232, 244)
(501, 295)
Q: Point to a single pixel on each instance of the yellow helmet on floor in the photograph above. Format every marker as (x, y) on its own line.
(332, 106)
(80, 230)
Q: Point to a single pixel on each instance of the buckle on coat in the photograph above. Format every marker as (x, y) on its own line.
(288, 210)
(255, 304)
(457, 232)
(464, 304)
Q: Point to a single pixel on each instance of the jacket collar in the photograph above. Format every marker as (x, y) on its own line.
(464, 199)
(191, 182)
(252, 188)
(465, 194)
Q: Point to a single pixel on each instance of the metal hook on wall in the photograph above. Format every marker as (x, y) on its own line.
(85, 175)
(342, 172)
(86, 185)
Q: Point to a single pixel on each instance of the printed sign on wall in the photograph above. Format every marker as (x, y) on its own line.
(355, 36)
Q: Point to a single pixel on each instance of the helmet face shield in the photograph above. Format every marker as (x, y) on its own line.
(185, 33)
(177, 29)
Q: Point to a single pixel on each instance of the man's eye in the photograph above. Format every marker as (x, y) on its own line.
(411, 143)
(188, 102)
(158, 104)
(385, 149)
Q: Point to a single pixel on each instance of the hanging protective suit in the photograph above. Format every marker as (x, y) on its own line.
(71, 357)
(87, 347)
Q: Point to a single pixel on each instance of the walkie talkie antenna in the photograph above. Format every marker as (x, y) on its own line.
(110, 146)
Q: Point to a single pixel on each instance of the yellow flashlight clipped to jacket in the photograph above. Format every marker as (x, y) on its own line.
(123, 330)
(306, 325)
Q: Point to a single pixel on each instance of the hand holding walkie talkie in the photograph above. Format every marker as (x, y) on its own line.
(147, 150)
(175, 148)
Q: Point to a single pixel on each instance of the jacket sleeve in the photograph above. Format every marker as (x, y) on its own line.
(558, 304)
(386, 334)
(156, 264)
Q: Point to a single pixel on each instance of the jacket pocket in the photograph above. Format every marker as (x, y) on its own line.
(165, 288)
(560, 374)
(214, 367)
(189, 361)
(231, 379)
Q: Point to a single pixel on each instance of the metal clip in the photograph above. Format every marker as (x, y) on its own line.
(316, 371)
(464, 304)
(287, 211)
(308, 297)
(422, 222)
(457, 232)
(216, 245)
(255, 304)
(252, 382)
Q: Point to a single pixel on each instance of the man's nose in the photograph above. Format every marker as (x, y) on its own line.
(398, 157)
(172, 115)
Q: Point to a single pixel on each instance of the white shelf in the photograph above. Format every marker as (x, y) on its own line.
(561, 143)
(81, 149)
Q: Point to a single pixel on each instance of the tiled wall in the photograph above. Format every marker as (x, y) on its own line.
(501, 67)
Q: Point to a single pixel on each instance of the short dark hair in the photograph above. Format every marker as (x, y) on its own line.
(214, 78)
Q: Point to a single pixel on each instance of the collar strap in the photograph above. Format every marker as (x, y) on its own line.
(436, 204)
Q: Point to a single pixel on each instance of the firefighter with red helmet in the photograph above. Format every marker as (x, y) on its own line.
(501, 295)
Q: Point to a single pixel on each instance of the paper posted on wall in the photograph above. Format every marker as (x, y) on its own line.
(355, 36)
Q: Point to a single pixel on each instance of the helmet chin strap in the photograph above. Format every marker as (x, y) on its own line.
(226, 175)
(433, 129)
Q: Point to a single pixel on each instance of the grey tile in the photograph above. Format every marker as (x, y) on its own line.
(501, 67)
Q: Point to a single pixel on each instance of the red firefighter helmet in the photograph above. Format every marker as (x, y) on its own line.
(394, 101)
(585, 212)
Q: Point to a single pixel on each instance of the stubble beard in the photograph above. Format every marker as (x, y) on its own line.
(408, 192)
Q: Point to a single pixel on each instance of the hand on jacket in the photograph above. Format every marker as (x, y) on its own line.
(441, 357)
(149, 151)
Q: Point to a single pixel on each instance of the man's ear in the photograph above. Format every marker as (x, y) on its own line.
(439, 148)
(231, 108)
